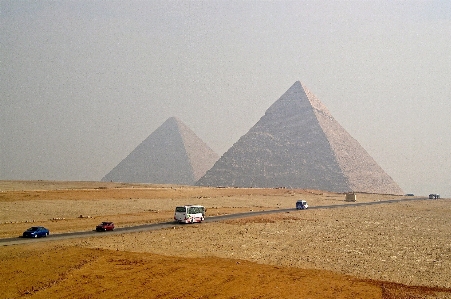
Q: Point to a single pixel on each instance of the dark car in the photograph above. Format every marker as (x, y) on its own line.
(35, 232)
(104, 226)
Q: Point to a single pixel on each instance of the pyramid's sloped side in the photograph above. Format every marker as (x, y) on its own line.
(286, 147)
(361, 170)
(201, 156)
(161, 159)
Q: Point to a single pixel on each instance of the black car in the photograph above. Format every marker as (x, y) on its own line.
(36, 232)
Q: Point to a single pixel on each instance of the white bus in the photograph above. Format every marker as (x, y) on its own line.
(189, 214)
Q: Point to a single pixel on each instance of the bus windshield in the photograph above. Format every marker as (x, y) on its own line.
(195, 210)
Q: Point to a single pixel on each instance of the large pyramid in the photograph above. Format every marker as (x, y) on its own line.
(172, 154)
(298, 144)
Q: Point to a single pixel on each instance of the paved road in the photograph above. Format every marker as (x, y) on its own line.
(157, 226)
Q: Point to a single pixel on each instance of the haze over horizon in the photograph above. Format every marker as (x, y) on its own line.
(82, 83)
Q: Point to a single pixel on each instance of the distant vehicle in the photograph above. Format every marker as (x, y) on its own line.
(189, 214)
(410, 194)
(104, 226)
(434, 196)
(352, 197)
(301, 205)
(36, 232)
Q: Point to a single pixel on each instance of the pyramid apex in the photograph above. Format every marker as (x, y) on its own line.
(297, 84)
(173, 119)
(296, 88)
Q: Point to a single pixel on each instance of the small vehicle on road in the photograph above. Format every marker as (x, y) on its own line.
(104, 226)
(189, 214)
(434, 196)
(301, 205)
(36, 232)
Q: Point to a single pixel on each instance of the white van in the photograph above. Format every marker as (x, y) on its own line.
(189, 214)
(301, 205)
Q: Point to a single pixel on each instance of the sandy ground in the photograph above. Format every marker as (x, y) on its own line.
(396, 250)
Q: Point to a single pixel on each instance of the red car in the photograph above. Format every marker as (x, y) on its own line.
(104, 226)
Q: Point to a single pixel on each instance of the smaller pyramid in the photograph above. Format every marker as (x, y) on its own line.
(172, 154)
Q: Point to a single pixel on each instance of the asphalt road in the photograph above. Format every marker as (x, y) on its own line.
(162, 225)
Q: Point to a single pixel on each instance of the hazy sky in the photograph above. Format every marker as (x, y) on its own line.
(82, 83)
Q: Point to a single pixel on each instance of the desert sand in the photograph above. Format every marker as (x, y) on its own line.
(390, 250)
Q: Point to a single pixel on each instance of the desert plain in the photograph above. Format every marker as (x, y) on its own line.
(388, 250)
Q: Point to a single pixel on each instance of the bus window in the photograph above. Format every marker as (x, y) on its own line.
(180, 209)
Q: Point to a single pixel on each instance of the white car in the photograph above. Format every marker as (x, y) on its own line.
(301, 205)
